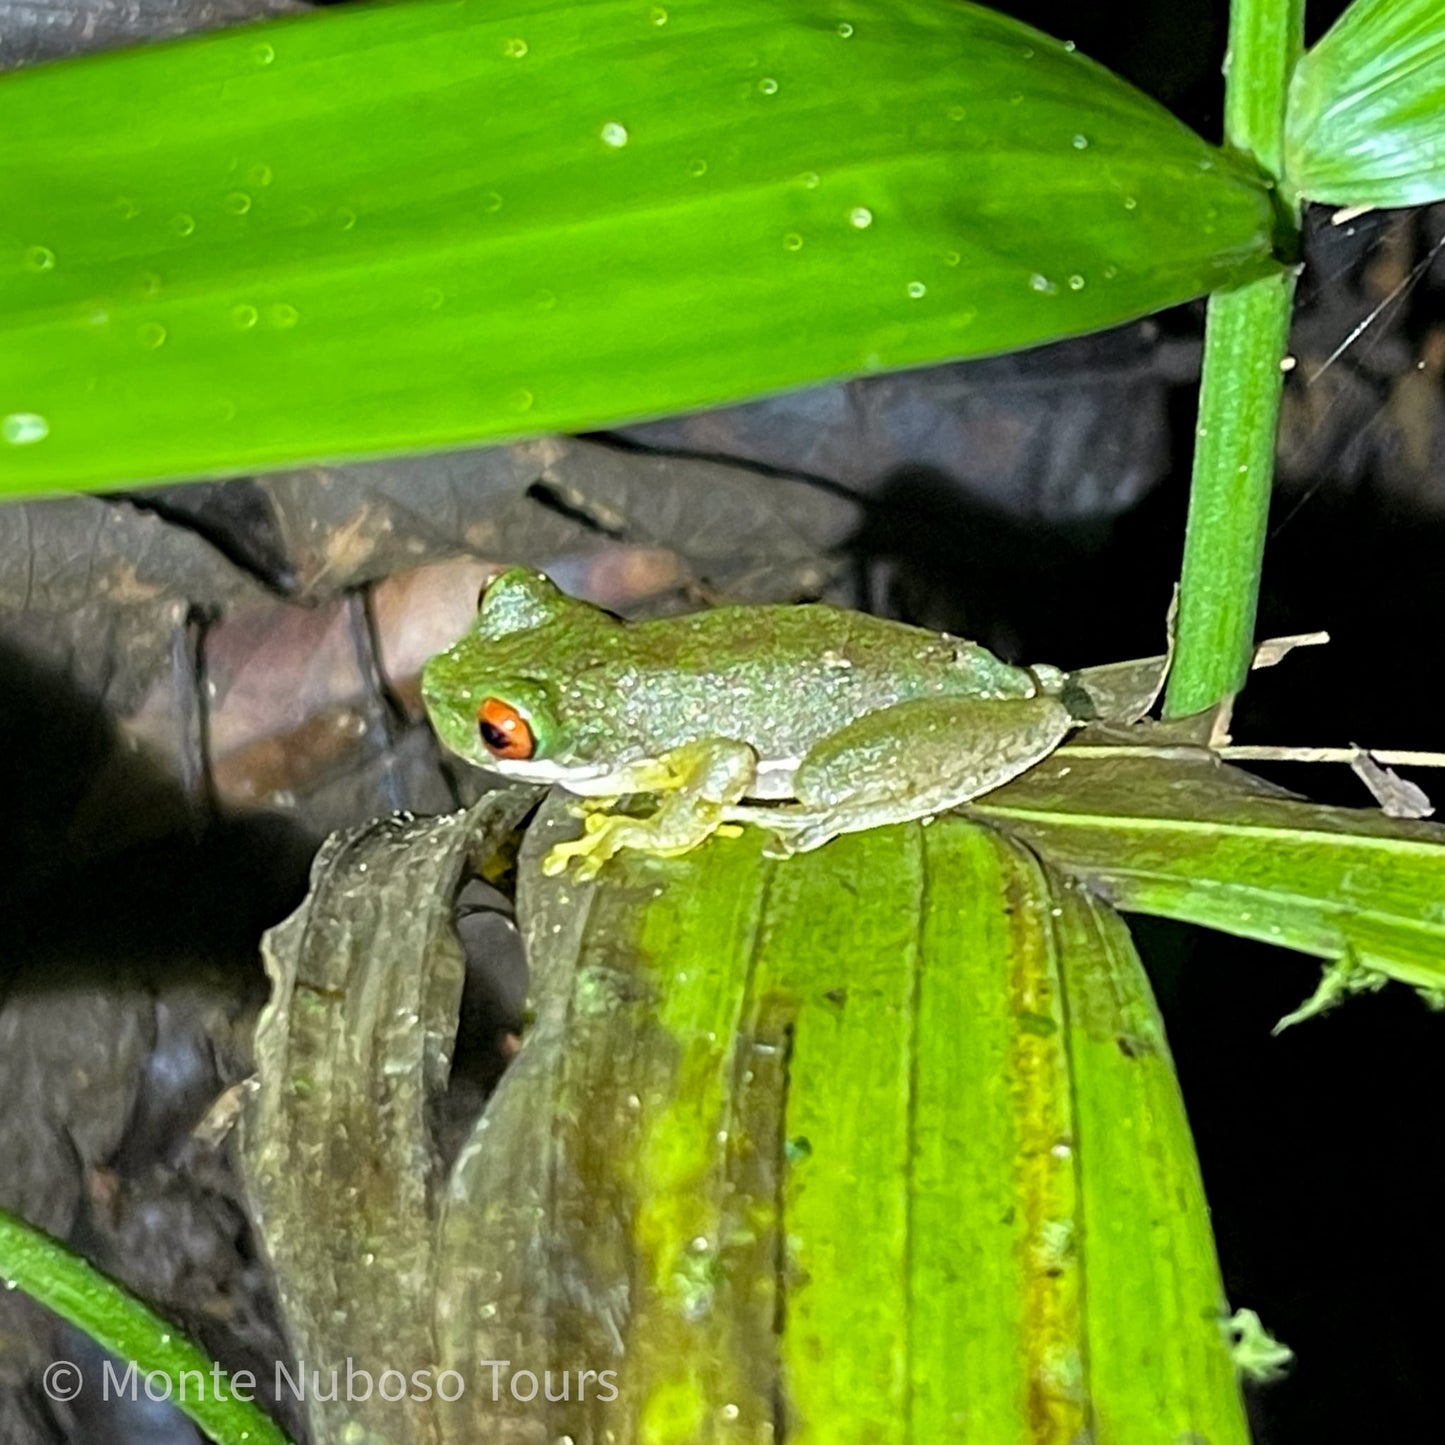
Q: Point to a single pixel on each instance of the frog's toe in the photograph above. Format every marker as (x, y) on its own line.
(796, 830)
(785, 843)
(676, 828)
(587, 808)
(604, 835)
(592, 849)
(589, 864)
(557, 859)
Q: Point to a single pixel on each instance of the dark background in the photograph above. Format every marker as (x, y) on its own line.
(1315, 1144)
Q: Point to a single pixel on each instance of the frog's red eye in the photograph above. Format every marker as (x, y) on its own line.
(505, 732)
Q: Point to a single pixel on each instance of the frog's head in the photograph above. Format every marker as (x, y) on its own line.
(505, 697)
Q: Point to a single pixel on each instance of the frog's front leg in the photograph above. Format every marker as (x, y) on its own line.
(914, 760)
(696, 785)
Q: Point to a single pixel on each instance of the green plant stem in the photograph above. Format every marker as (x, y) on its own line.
(45, 1269)
(1245, 338)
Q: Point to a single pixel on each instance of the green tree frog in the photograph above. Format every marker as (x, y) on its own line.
(808, 720)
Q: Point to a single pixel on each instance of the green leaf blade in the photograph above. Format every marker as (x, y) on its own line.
(1064, 1272)
(1191, 840)
(847, 963)
(1156, 1345)
(408, 227)
(998, 1330)
(1366, 120)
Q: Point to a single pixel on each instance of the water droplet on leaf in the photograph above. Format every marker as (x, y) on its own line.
(23, 428)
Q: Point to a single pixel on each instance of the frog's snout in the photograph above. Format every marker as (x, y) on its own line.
(430, 692)
(437, 697)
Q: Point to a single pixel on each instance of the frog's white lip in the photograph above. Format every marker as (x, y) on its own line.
(542, 770)
(774, 778)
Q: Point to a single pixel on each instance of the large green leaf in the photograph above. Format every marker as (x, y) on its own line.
(881, 1143)
(884, 1139)
(420, 225)
(1185, 837)
(1366, 119)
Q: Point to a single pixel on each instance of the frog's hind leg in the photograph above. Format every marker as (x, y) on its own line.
(696, 784)
(915, 760)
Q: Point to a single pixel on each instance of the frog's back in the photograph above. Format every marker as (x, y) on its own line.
(784, 677)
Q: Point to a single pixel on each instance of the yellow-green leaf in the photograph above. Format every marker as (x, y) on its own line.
(884, 1140)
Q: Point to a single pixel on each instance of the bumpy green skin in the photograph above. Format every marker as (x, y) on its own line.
(778, 678)
(863, 722)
